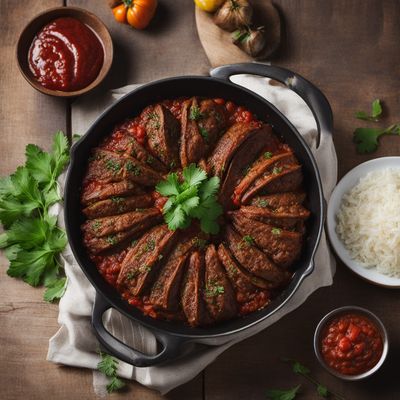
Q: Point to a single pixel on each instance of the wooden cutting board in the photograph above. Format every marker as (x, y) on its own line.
(218, 45)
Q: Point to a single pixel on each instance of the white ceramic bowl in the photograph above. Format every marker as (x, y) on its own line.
(347, 183)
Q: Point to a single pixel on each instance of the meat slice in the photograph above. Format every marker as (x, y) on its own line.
(289, 180)
(111, 167)
(193, 145)
(97, 190)
(143, 262)
(211, 121)
(284, 247)
(242, 159)
(277, 200)
(230, 143)
(123, 143)
(247, 286)
(218, 293)
(104, 233)
(254, 260)
(240, 279)
(163, 135)
(192, 291)
(117, 205)
(165, 291)
(286, 217)
(265, 167)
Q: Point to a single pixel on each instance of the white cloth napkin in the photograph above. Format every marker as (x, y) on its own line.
(75, 344)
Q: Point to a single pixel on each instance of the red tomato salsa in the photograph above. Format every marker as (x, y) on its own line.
(65, 55)
(351, 344)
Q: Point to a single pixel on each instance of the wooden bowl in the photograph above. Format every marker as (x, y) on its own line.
(27, 35)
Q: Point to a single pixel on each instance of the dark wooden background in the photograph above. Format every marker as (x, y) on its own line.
(350, 49)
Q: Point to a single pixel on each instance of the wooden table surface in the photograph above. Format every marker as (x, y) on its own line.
(350, 49)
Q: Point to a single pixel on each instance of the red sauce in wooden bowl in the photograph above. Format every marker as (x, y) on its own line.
(65, 55)
(351, 344)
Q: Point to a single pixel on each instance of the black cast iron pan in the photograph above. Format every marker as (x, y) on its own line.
(173, 336)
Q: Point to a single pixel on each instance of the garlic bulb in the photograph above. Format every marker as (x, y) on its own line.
(251, 41)
(234, 14)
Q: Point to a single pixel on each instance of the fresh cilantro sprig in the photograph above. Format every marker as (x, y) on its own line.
(109, 366)
(376, 111)
(32, 240)
(279, 394)
(302, 370)
(193, 197)
(367, 139)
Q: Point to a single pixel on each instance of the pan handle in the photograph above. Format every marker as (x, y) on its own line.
(171, 344)
(314, 98)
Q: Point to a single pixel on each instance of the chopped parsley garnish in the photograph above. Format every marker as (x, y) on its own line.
(150, 245)
(277, 170)
(111, 239)
(248, 239)
(117, 199)
(133, 168)
(195, 113)
(113, 165)
(96, 225)
(276, 231)
(155, 120)
(194, 197)
(267, 155)
(131, 274)
(212, 289)
(263, 203)
(203, 132)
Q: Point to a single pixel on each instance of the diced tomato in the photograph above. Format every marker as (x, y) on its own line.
(247, 116)
(219, 101)
(230, 106)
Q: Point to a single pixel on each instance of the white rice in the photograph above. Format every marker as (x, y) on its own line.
(368, 221)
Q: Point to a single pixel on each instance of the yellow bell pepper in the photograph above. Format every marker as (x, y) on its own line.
(208, 5)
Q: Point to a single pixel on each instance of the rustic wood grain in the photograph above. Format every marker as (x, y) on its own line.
(218, 45)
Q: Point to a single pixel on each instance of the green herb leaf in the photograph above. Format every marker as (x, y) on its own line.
(109, 366)
(277, 394)
(376, 111)
(193, 175)
(195, 197)
(322, 390)
(300, 369)
(170, 186)
(115, 385)
(55, 290)
(32, 239)
(366, 139)
(195, 113)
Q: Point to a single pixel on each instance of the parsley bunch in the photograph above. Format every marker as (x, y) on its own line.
(194, 197)
(366, 139)
(32, 240)
(108, 366)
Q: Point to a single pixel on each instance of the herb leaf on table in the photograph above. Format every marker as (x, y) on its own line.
(376, 111)
(366, 139)
(109, 366)
(32, 240)
(278, 394)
